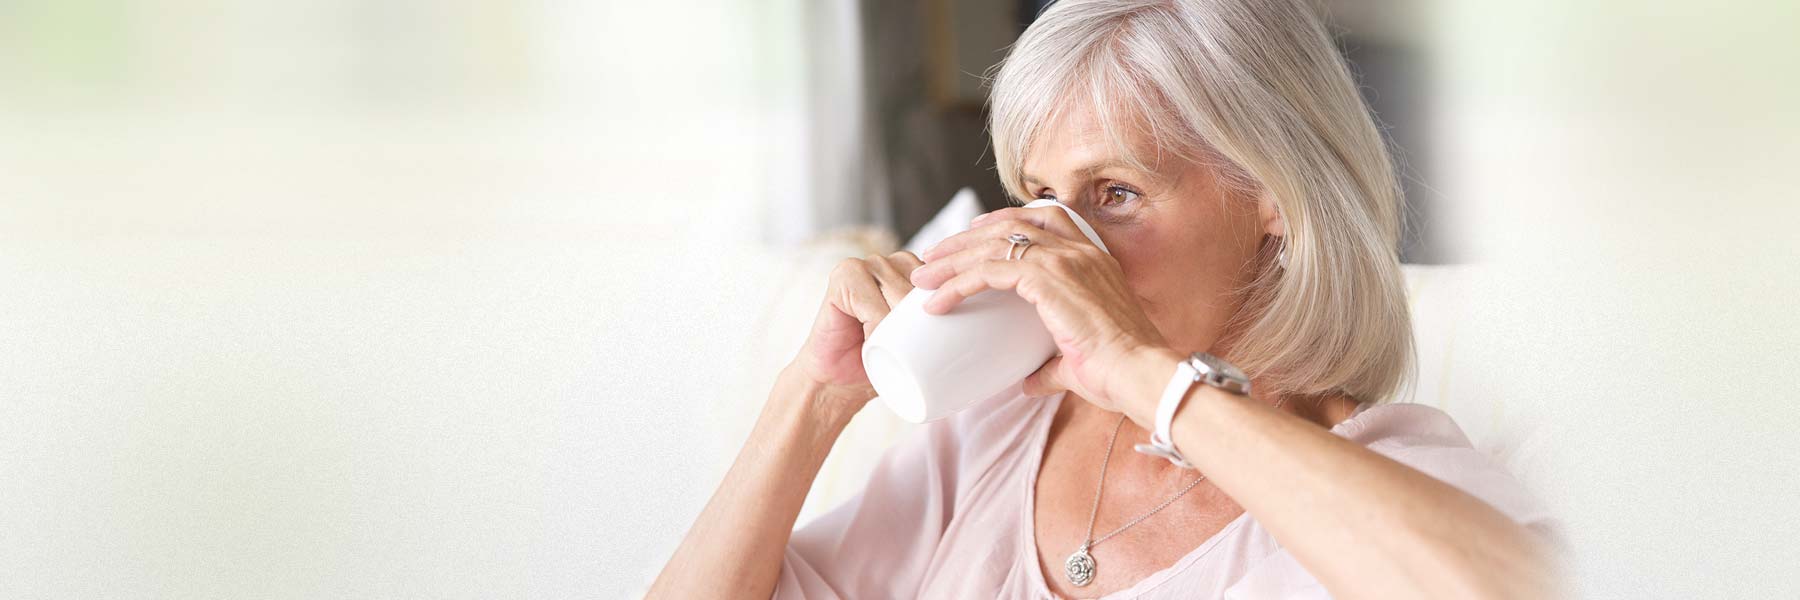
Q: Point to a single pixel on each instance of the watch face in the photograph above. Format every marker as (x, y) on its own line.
(1217, 366)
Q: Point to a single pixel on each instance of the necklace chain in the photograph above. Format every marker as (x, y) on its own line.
(1080, 565)
(1095, 511)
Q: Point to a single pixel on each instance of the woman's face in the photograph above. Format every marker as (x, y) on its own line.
(1184, 241)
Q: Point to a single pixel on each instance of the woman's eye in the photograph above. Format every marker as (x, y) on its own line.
(1118, 194)
(1045, 195)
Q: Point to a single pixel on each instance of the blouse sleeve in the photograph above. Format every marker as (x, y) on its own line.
(880, 543)
(1425, 439)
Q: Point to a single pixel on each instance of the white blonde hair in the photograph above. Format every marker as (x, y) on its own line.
(1256, 89)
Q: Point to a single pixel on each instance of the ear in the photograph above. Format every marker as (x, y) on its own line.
(1273, 222)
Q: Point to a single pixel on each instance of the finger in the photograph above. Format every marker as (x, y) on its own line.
(936, 272)
(974, 236)
(988, 232)
(907, 261)
(1049, 218)
(1046, 380)
(988, 275)
(893, 282)
(855, 292)
(956, 243)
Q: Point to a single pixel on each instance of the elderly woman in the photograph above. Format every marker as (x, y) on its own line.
(1221, 151)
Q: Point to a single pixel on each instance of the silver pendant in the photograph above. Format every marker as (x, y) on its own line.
(1080, 567)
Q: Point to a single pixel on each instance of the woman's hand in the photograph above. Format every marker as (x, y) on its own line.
(1078, 289)
(734, 549)
(860, 294)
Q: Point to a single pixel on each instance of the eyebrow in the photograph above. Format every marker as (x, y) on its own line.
(1090, 169)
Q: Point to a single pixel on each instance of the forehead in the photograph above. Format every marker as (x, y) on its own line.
(1081, 138)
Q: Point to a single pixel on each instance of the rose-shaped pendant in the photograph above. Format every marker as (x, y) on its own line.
(1080, 567)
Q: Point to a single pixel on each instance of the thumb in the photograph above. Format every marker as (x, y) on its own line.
(1046, 380)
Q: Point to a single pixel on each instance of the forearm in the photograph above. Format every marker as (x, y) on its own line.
(1364, 525)
(735, 547)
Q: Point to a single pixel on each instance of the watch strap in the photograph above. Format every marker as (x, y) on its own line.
(1161, 444)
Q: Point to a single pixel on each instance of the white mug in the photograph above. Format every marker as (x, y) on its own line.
(926, 367)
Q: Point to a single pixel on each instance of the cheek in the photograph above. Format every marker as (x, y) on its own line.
(1152, 261)
(1172, 267)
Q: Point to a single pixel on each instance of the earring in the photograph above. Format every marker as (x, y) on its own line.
(1281, 255)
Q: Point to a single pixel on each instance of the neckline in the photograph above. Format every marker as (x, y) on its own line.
(1028, 530)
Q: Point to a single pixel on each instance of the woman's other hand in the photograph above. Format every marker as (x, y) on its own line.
(859, 295)
(735, 547)
(1079, 291)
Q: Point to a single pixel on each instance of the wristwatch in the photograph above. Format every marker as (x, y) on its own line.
(1198, 368)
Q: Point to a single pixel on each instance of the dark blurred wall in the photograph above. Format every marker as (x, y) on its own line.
(932, 141)
(1392, 81)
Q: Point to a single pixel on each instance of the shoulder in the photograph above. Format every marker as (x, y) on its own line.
(1402, 424)
(1428, 440)
(887, 536)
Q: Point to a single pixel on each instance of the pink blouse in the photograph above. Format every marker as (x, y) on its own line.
(947, 513)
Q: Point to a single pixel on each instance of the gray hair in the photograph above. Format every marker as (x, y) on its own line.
(1256, 89)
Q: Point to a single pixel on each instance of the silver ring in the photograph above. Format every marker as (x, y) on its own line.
(1020, 243)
